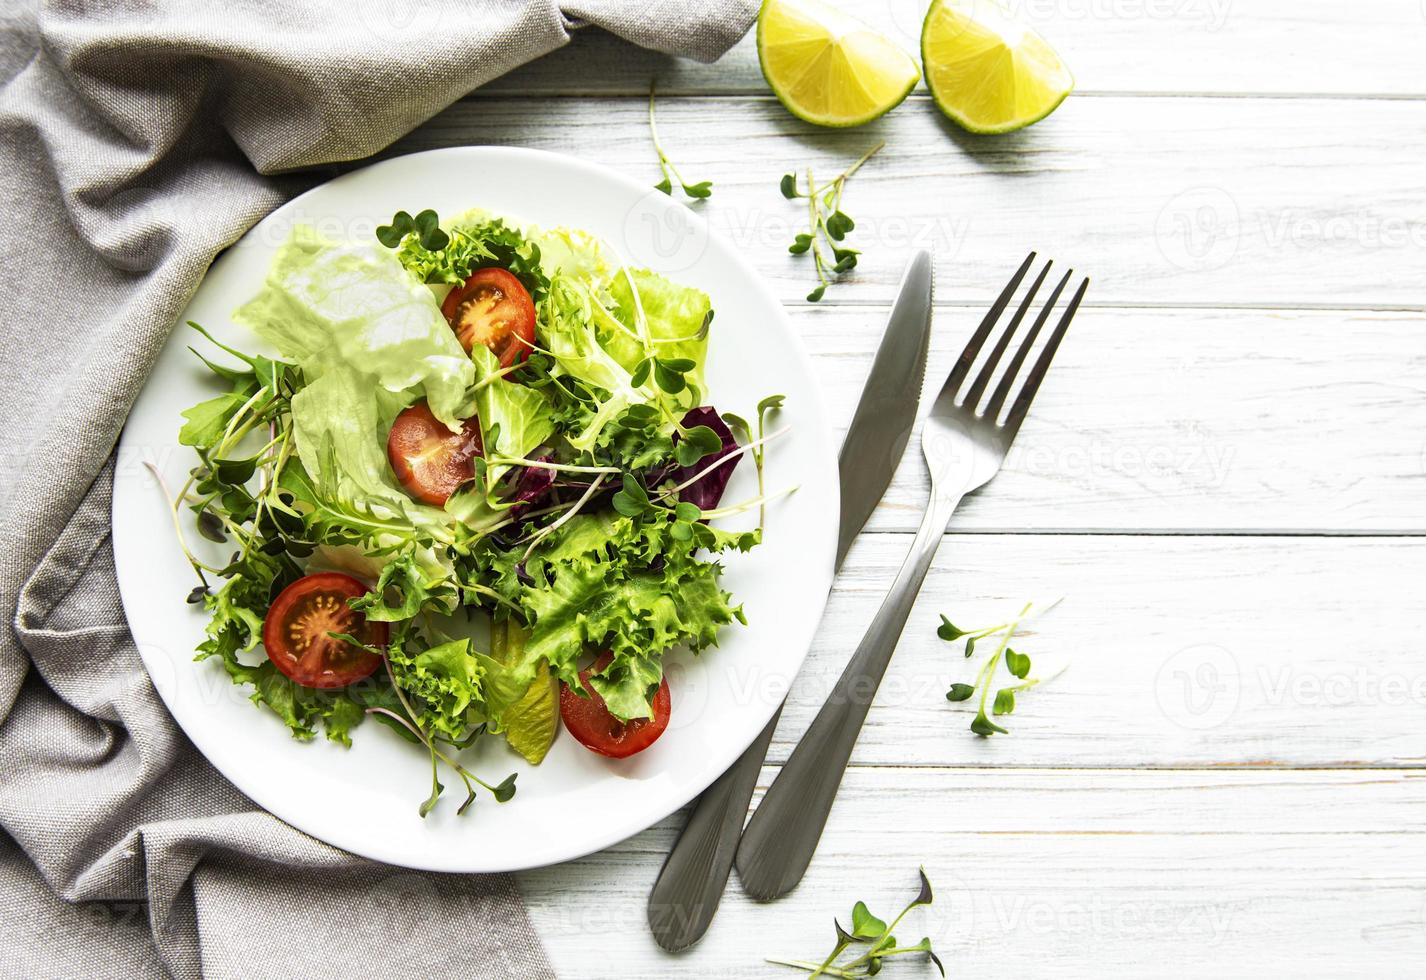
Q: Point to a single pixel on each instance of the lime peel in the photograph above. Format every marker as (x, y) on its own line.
(987, 71)
(829, 68)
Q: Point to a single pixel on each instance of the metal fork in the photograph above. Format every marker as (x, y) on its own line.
(965, 444)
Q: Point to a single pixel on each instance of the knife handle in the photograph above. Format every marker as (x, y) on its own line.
(690, 886)
(782, 836)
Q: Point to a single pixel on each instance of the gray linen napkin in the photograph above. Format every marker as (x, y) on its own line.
(138, 138)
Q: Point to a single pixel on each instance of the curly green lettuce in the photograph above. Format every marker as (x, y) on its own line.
(632, 586)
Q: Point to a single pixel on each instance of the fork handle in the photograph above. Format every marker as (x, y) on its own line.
(782, 836)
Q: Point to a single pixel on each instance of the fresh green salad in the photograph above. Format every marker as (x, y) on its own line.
(475, 495)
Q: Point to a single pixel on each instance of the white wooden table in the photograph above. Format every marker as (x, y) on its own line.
(1224, 476)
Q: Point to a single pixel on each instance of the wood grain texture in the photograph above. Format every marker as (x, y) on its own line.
(1048, 873)
(1284, 203)
(1179, 652)
(1366, 47)
(1181, 421)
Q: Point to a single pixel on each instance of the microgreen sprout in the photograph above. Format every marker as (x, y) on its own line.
(1016, 664)
(426, 226)
(871, 939)
(769, 405)
(699, 191)
(668, 373)
(753, 449)
(827, 224)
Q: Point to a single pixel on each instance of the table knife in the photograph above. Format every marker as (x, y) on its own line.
(690, 886)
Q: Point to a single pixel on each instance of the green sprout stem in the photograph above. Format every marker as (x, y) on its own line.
(814, 968)
(698, 191)
(814, 221)
(269, 483)
(876, 936)
(1025, 685)
(641, 319)
(564, 518)
(751, 447)
(759, 501)
(1017, 663)
(494, 376)
(763, 408)
(540, 464)
(875, 951)
(436, 754)
(490, 593)
(831, 959)
(842, 177)
(174, 509)
(989, 669)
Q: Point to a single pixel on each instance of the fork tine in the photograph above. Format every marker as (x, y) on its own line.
(982, 380)
(1002, 390)
(972, 348)
(1037, 374)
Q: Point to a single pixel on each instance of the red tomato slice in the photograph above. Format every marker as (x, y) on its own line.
(295, 632)
(429, 459)
(493, 309)
(590, 722)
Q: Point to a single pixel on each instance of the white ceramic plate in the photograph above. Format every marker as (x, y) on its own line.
(364, 799)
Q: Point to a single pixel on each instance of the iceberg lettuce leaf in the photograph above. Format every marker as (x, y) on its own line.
(568, 329)
(677, 318)
(337, 307)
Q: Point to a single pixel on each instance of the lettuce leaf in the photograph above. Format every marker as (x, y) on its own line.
(454, 687)
(514, 420)
(591, 324)
(606, 582)
(443, 680)
(337, 307)
(568, 333)
(530, 717)
(677, 317)
(336, 418)
(206, 421)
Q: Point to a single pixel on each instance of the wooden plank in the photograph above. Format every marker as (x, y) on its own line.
(1113, 46)
(1163, 201)
(1183, 420)
(1053, 874)
(1180, 651)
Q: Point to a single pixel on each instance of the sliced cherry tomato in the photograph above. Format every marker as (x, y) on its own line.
(295, 632)
(493, 309)
(429, 459)
(597, 730)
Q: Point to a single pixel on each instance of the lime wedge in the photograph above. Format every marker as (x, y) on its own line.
(986, 70)
(830, 68)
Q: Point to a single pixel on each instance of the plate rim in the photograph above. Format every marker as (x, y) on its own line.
(765, 708)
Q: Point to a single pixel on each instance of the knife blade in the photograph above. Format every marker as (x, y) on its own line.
(690, 885)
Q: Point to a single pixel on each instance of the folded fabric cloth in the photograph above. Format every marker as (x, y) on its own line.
(137, 140)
